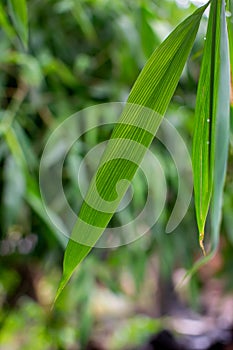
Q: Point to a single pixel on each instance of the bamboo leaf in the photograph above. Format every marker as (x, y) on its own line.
(222, 126)
(19, 15)
(211, 130)
(220, 129)
(131, 137)
(230, 34)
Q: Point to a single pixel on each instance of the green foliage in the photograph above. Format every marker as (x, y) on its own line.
(80, 53)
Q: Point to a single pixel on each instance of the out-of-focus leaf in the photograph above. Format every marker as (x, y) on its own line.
(211, 130)
(33, 198)
(154, 89)
(57, 68)
(227, 212)
(134, 332)
(81, 14)
(84, 21)
(19, 15)
(31, 70)
(149, 39)
(26, 146)
(4, 23)
(32, 193)
(15, 148)
(14, 190)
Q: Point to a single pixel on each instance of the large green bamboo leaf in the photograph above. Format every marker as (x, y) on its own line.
(131, 137)
(211, 130)
(19, 15)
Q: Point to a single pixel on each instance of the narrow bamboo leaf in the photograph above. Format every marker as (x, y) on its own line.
(202, 161)
(131, 137)
(207, 114)
(230, 34)
(19, 15)
(230, 31)
(220, 128)
(222, 125)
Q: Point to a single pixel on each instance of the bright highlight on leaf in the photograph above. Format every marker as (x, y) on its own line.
(131, 137)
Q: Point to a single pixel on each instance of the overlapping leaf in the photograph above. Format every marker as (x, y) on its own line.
(153, 89)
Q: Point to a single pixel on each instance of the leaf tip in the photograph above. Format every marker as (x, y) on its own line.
(61, 286)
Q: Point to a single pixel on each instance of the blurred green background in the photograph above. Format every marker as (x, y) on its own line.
(81, 53)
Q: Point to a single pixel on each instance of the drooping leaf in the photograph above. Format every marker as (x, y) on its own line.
(222, 126)
(131, 137)
(230, 34)
(211, 130)
(220, 129)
